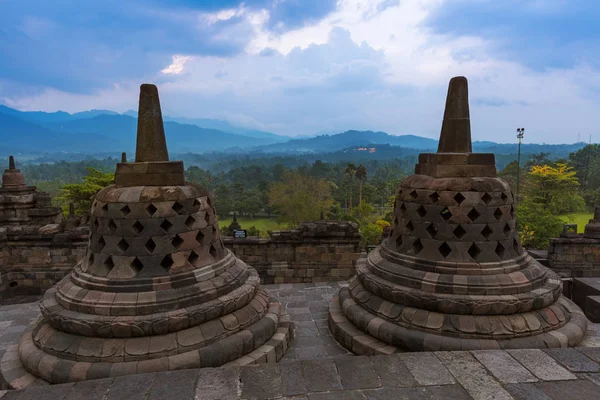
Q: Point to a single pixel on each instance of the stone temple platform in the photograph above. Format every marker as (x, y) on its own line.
(315, 367)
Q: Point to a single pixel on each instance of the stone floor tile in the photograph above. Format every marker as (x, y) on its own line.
(446, 392)
(570, 390)
(322, 375)
(311, 353)
(291, 379)
(590, 352)
(526, 391)
(262, 381)
(357, 372)
(541, 364)
(427, 369)
(302, 317)
(86, 390)
(345, 395)
(218, 383)
(173, 385)
(505, 368)
(55, 392)
(392, 371)
(472, 375)
(574, 360)
(131, 387)
(306, 341)
(336, 350)
(594, 378)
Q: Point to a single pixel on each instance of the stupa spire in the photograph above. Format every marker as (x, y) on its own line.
(11, 162)
(151, 143)
(455, 136)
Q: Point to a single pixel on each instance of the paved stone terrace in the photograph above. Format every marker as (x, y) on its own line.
(317, 368)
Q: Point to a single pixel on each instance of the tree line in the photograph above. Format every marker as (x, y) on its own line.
(341, 190)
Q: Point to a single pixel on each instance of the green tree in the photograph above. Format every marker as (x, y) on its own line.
(586, 163)
(361, 175)
(81, 194)
(555, 187)
(300, 198)
(350, 172)
(536, 225)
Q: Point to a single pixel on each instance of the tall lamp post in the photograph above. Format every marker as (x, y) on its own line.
(520, 134)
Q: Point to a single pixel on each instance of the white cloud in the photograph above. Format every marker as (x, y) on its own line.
(370, 64)
(176, 67)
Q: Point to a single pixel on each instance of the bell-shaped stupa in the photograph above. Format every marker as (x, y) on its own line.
(452, 274)
(156, 290)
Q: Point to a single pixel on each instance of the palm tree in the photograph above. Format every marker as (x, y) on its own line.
(350, 171)
(361, 174)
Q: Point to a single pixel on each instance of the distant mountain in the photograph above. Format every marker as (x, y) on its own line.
(40, 117)
(227, 127)
(19, 136)
(103, 131)
(110, 133)
(341, 141)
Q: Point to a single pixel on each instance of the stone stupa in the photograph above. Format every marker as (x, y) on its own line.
(452, 274)
(156, 290)
(22, 205)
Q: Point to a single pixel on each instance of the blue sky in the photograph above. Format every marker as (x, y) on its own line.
(297, 67)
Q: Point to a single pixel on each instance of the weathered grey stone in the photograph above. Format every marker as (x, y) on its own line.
(291, 379)
(568, 390)
(262, 381)
(541, 364)
(357, 373)
(505, 368)
(131, 387)
(174, 385)
(573, 360)
(219, 383)
(456, 127)
(345, 395)
(95, 389)
(526, 391)
(321, 374)
(427, 369)
(472, 376)
(392, 371)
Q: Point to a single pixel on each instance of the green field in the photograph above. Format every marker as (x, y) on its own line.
(262, 224)
(581, 219)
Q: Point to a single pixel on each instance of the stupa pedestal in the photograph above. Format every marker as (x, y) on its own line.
(452, 274)
(156, 290)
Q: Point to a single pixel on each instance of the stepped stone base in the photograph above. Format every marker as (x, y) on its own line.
(16, 375)
(361, 332)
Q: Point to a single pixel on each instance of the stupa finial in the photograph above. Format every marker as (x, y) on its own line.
(455, 136)
(11, 162)
(123, 157)
(151, 143)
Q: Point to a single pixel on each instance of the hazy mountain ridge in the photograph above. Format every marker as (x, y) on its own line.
(103, 131)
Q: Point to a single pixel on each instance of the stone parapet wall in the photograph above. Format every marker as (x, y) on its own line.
(573, 257)
(315, 252)
(31, 262)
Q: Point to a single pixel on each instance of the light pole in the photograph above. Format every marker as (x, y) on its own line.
(520, 134)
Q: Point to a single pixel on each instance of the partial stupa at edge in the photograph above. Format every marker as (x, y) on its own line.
(12, 177)
(452, 274)
(156, 290)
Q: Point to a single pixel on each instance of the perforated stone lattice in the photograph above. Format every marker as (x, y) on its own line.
(151, 239)
(434, 223)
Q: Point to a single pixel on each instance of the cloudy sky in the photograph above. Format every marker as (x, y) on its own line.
(297, 67)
